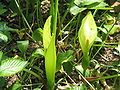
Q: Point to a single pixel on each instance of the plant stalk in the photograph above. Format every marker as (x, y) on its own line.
(85, 62)
(53, 12)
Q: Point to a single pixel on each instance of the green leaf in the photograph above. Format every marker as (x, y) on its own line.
(113, 30)
(16, 86)
(38, 52)
(82, 87)
(11, 66)
(2, 10)
(81, 5)
(4, 27)
(98, 39)
(3, 37)
(80, 69)
(3, 83)
(63, 57)
(109, 19)
(4, 31)
(50, 63)
(75, 10)
(37, 34)
(102, 5)
(103, 30)
(68, 67)
(86, 2)
(22, 46)
(47, 33)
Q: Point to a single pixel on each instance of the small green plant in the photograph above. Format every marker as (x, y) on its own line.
(87, 35)
(50, 54)
(49, 37)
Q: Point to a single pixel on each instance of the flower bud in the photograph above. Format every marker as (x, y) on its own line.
(87, 33)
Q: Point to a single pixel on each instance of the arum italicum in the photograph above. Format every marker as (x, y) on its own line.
(87, 35)
(50, 54)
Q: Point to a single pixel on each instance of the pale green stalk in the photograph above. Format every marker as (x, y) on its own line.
(53, 12)
(85, 61)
